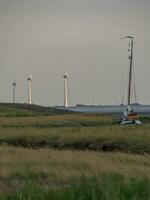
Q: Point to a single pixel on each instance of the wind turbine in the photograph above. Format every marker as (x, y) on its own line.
(65, 77)
(14, 91)
(29, 79)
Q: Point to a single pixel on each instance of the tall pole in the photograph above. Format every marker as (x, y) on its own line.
(29, 79)
(65, 90)
(14, 92)
(130, 72)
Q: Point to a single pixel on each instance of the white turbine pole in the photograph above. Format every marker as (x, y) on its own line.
(14, 91)
(29, 79)
(65, 90)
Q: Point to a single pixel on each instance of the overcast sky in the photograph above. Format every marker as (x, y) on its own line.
(48, 37)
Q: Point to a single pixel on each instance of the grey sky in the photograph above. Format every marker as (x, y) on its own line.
(48, 37)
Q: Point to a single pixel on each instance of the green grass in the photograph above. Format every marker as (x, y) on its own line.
(78, 132)
(57, 121)
(49, 168)
(10, 111)
(103, 187)
(133, 139)
(21, 110)
(72, 157)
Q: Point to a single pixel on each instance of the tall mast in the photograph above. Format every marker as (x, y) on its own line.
(130, 71)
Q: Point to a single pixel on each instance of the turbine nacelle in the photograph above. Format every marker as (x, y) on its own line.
(29, 78)
(14, 84)
(65, 76)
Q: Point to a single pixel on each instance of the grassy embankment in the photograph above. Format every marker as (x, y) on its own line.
(45, 173)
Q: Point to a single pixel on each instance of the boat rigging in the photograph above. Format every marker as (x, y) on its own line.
(129, 116)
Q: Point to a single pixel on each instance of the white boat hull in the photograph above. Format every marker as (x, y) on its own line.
(126, 122)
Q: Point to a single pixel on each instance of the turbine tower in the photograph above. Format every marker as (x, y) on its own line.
(14, 91)
(65, 77)
(29, 79)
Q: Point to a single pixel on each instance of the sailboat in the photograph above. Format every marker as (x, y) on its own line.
(129, 115)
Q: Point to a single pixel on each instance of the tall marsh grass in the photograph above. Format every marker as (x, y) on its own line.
(69, 120)
(104, 187)
(134, 139)
(43, 174)
(60, 166)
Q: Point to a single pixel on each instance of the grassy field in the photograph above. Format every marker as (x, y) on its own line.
(130, 139)
(53, 170)
(72, 157)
